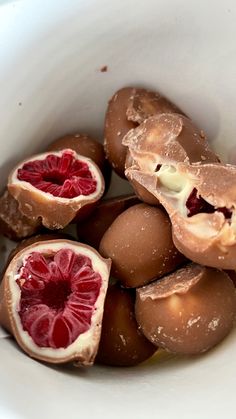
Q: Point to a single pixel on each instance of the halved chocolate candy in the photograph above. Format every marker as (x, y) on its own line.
(201, 202)
(160, 139)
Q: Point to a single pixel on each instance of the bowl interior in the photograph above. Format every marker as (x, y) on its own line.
(51, 56)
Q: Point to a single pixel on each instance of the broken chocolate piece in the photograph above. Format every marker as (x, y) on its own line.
(207, 235)
(13, 224)
(188, 311)
(56, 186)
(51, 300)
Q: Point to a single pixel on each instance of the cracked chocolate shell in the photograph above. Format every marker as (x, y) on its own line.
(52, 298)
(56, 186)
(201, 201)
(13, 224)
(188, 311)
(165, 137)
(128, 108)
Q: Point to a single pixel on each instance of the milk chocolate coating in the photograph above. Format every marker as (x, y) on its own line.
(128, 108)
(207, 237)
(82, 354)
(140, 245)
(86, 146)
(167, 138)
(92, 229)
(116, 126)
(122, 343)
(13, 224)
(145, 103)
(141, 192)
(189, 311)
(160, 138)
(232, 275)
(54, 212)
(35, 239)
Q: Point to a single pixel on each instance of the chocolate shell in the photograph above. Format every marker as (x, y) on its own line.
(128, 108)
(116, 126)
(201, 201)
(189, 311)
(122, 343)
(145, 103)
(30, 313)
(13, 224)
(165, 137)
(55, 212)
(139, 242)
(91, 230)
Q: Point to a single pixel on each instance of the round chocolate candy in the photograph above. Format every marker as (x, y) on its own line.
(122, 343)
(116, 126)
(188, 311)
(91, 230)
(139, 242)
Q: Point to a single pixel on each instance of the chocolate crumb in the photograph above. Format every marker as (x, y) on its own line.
(104, 69)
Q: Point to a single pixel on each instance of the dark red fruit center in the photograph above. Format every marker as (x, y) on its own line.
(58, 296)
(196, 205)
(65, 176)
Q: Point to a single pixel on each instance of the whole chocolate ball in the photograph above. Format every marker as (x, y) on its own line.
(122, 343)
(91, 230)
(189, 311)
(139, 242)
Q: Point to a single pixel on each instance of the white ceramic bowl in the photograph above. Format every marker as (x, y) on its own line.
(51, 53)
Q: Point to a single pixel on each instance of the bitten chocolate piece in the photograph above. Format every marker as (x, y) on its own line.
(189, 311)
(91, 230)
(161, 138)
(56, 187)
(166, 138)
(201, 202)
(127, 109)
(122, 343)
(13, 224)
(52, 298)
(139, 242)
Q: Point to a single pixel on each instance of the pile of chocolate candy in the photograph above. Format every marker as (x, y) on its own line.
(149, 270)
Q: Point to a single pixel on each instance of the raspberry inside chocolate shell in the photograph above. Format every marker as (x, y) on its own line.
(62, 176)
(58, 294)
(56, 187)
(52, 299)
(196, 205)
